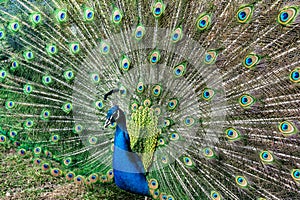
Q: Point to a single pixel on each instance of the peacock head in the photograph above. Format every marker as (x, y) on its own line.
(113, 115)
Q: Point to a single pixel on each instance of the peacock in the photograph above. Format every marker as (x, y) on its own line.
(178, 99)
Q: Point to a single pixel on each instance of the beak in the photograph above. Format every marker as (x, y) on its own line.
(107, 123)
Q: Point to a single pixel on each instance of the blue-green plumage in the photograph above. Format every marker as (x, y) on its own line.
(129, 173)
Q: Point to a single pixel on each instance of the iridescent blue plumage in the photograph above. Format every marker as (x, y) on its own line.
(129, 172)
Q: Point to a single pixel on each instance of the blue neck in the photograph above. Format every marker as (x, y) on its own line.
(129, 173)
(122, 139)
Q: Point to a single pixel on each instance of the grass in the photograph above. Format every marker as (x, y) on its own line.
(19, 179)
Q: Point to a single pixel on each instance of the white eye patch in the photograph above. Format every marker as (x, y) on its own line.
(118, 115)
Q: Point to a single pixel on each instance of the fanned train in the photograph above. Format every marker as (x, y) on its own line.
(169, 99)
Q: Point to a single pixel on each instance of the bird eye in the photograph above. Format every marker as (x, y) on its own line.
(176, 35)
(295, 75)
(140, 87)
(208, 94)
(93, 140)
(95, 77)
(241, 181)
(36, 18)
(189, 121)
(215, 195)
(93, 178)
(116, 16)
(154, 57)
(13, 133)
(156, 90)
(104, 47)
(208, 152)
(45, 114)
(46, 80)
(110, 174)
(88, 14)
(155, 193)
(251, 61)
(2, 138)
(124, 63)
(51, 49)
(55, 172)
(232, 134)
(79, 180)
(67, 107)
(69, 75)
(67, 161)
(78, 128)
(54, 138)
(112, 120)
(153, 184)
(28, 55)
(246, 101)
(74, 47)
(174, 136)
(37, 161)
(45, 167)
(203, 22)
(158, 9)
(266, 157)
(187, 161)
(287, 128)
(179, 70)
(161, 142)
(244, 14)
(172, 104)
(22, 152)
(210, 57)
(296, 174)
(287, 15)
(14, 65)
(14, 26)
(3, 74)
(61, 16)
(70, 176)
(167, 123)
(28, 123)
(99, 105)
(9, 104)
(139, 32)
(27, 89)
(134, 106)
